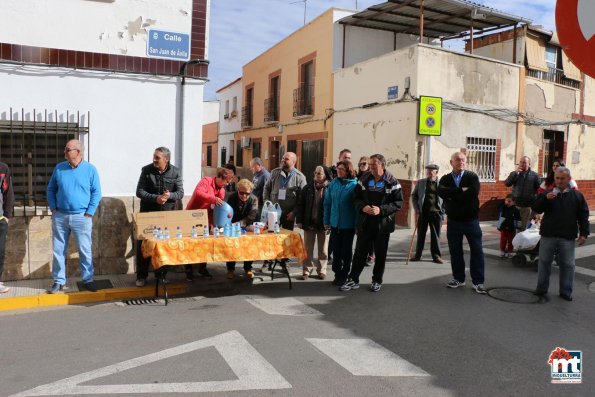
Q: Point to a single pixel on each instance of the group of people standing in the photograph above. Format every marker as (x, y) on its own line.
(340, 203)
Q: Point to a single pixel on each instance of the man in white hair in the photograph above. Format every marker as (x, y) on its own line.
(565, 216)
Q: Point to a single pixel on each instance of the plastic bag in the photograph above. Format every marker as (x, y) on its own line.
(526, 240)
(278, 210)
(264, 215)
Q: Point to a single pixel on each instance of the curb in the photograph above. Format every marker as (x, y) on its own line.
(77, 298)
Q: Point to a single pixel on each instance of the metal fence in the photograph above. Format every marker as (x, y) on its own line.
(555, 76)
(481, 158)
(271, 110)
(247, 116)
(303, 98)
(32, 143)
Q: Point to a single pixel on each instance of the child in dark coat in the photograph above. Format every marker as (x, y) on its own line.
(509, 221)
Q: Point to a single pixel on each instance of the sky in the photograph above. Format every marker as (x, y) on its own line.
(240, 30)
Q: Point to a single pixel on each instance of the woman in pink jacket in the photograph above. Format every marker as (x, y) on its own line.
(209, 192)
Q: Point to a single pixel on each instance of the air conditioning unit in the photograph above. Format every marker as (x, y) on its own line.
(246, 141)
(226, 116)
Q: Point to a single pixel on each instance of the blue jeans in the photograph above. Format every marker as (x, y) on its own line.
(342, 245)
(455, 231)
(81, 227)
(547, 249)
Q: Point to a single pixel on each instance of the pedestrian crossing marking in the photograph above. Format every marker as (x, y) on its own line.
(283, 307)
(253, 372)
(364, 357)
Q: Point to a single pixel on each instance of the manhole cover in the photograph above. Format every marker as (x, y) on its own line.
(515, 295)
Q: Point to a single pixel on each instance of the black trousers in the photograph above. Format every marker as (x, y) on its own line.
(365, 241)
(434, 221)
(3, 234)
(231, 266)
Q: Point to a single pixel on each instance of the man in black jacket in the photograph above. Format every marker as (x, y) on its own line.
(566, 215)
(525, 183)
(460, 192)
(159, 188)
(378, 196)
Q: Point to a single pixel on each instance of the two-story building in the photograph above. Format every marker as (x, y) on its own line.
(513, 93)
(124, 77)
(230, 116)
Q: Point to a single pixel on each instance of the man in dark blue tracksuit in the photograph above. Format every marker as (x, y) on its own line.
(378, 197)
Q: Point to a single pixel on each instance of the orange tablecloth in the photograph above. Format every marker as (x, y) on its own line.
(249, 247)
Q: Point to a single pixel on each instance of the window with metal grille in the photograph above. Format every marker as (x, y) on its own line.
(32, 148)
(481, 158)
(255, 149)
(239, 154)
(209, 155)
(292, 146)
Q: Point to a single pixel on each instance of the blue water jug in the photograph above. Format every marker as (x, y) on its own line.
(222, 215)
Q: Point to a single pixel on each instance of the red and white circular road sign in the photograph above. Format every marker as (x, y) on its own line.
(575, 23)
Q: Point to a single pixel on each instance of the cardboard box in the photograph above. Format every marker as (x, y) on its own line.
(145, 221)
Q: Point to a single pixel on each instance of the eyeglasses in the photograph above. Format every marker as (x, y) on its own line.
(244, 193)
(340, 169)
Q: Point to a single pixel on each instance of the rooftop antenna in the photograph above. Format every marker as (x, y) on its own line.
(305, 7)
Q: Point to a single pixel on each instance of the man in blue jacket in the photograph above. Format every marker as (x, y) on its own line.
(74, 192)
(378, 197)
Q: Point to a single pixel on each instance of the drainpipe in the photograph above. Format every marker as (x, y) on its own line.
(180, 137)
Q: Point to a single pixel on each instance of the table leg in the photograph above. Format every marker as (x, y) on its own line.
(283, 264)
(159, 275)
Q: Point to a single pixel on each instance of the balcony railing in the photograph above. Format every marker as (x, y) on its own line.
(271, 110)
(247, 116)
(303, 98)
(555, 76)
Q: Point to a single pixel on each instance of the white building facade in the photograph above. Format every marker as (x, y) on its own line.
(230, 117)
(124, 77)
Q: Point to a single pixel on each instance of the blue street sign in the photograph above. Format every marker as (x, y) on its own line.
(393, 92)
(168, 45)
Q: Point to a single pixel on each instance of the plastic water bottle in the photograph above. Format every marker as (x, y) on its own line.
(159, 234)
(216, 231)
(226, 230)
(155, 232)
(256, 230)
(179, 233)
(166, 234)
(277, 230)
(194, 232)
(237, 231)
(205, 231)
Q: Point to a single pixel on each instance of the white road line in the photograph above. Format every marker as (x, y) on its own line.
(283, 307)
(364, 357)
(251, 368)
(585, 251)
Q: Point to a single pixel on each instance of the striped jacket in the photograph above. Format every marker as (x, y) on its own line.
(392, 201)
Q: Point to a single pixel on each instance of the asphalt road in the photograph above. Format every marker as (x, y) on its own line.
(234, 338)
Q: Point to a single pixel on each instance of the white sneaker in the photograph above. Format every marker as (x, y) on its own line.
(503, 254)
(141, 282)
(3, 288)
